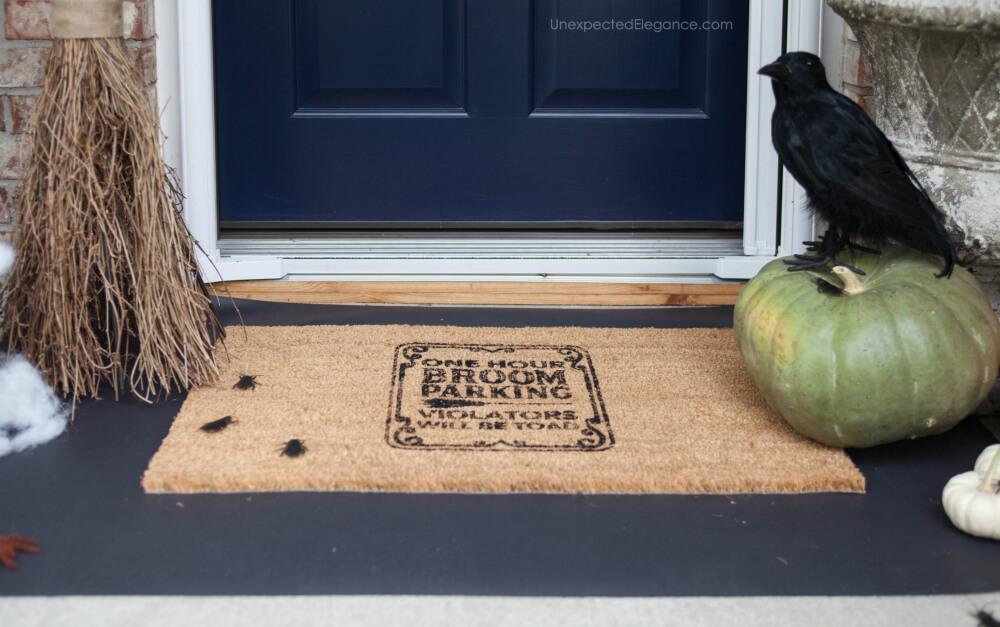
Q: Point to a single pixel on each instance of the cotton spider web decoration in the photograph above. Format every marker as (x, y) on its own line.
(105, 286)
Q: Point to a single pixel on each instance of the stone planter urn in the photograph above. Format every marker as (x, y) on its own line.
(935, 67)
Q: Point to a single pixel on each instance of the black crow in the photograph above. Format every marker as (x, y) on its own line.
(852, 174)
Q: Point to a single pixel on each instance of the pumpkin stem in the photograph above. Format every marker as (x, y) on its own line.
(987, 484)
(852, 284)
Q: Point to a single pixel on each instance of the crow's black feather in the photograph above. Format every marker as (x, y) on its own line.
(854, 177)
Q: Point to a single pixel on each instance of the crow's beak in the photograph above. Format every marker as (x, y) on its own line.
(777, 70)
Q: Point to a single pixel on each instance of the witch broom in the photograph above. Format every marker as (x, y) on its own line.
(105, 285)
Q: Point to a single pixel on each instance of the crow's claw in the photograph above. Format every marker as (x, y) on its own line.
(864, 249)
(806, 262)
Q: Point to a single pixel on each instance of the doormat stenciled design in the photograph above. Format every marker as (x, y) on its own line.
(475, 396)
(459, 409)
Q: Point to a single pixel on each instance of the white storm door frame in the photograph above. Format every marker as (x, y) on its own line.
(775, 218)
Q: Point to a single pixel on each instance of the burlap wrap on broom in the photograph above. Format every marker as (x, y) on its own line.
(86, 19)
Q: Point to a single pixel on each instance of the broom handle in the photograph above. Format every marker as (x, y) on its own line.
(86, 19)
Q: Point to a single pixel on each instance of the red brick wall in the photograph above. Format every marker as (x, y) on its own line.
(24, 49)
(857, 80)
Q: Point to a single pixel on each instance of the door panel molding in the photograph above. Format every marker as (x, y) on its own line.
(327, 89)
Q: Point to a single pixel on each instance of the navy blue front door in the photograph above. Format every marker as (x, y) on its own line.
(480, 113)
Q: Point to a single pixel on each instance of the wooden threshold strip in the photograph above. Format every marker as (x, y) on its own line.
(482, 293)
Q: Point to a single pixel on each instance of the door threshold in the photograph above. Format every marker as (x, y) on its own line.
(483, 244)
(578, 258)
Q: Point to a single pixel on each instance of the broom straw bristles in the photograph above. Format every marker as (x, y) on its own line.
(105, 285)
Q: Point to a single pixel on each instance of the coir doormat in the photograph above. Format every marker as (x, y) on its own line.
(445, 409)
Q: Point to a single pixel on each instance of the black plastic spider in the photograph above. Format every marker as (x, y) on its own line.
(293, 448)
(246, 382)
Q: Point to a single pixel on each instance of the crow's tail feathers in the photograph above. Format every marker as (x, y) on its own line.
(936, 241)
(940, 243)
(950, 255)
(933, 240)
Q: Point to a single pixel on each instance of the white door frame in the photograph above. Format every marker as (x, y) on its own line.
(185, 92)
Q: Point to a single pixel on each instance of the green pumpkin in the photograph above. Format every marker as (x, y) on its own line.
(906, 355)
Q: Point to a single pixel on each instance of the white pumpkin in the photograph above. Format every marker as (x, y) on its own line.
(972, 499)
(985, 459)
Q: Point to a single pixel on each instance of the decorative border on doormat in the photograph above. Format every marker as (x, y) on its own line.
(492, 397)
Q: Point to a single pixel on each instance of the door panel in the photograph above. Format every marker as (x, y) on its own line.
(602, 70)
(372, 55)
(479, 113)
